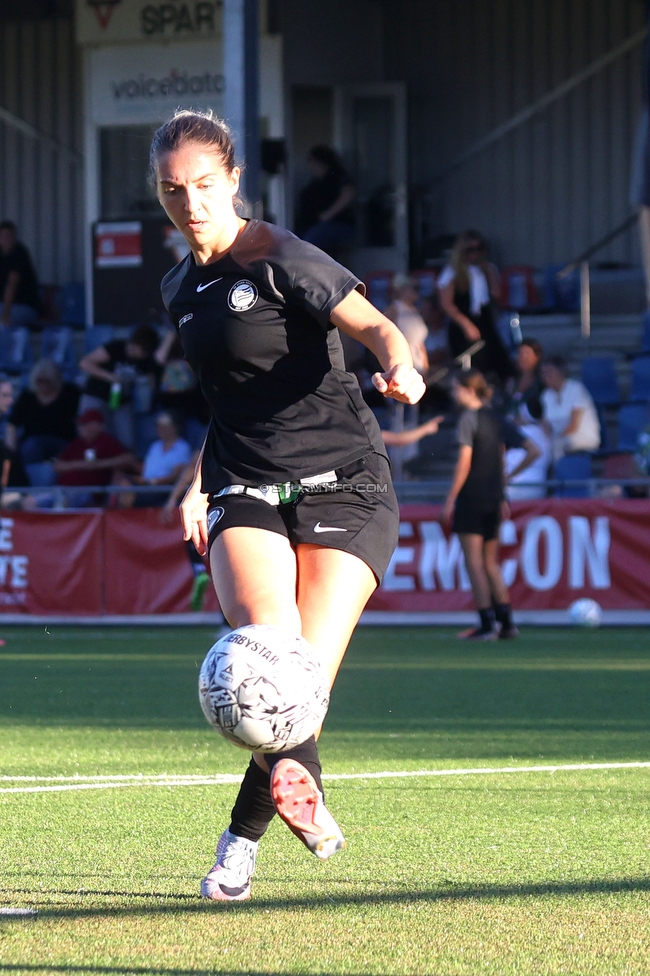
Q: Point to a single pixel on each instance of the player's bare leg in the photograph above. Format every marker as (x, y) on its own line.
(473, 550)
(500, 594)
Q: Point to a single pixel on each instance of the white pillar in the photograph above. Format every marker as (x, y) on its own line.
(241, 70)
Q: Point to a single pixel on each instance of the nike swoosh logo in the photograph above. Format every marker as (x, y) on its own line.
(203, 287)
(327, 528)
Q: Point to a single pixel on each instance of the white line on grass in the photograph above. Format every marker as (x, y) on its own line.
(221, 779)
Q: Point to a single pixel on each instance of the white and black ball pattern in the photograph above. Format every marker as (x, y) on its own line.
(263, 688)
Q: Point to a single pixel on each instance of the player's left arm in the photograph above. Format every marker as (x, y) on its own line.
(355, 316)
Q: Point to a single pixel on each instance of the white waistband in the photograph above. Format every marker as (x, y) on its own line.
(273, 493)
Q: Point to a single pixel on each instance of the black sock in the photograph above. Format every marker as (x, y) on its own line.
(254, 809)
(487, 619)
(502, 612)
(306, 754)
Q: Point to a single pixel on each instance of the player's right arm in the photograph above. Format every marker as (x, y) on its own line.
(461, 473)
(194, 511)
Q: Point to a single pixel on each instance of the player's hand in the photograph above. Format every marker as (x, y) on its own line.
(194, 516)
(447, 515)
(402, 383)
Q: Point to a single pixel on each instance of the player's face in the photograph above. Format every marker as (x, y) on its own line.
(197, 193)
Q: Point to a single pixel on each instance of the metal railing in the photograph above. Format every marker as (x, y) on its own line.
(582, 262)
(60, 497)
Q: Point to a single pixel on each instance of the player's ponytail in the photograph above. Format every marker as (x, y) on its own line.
(473, 379)
(203, 128)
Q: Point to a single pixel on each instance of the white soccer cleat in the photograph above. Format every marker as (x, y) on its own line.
(300, 804)
(230, 878)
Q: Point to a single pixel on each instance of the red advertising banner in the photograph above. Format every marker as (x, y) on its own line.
(146, 566)
(127, 562)
(553, 551)
(51, 563)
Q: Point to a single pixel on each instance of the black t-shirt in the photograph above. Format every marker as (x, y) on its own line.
(255, 327)
(18, 260)
(318, 196)
(482, 430)
(56, 419)
(119, 362)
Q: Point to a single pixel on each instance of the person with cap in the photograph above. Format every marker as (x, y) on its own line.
(91, 460)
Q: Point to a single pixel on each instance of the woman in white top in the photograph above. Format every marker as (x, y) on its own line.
(570, 415)
(467, 286)
(403, 311)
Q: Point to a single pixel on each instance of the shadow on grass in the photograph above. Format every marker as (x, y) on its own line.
(451, 893)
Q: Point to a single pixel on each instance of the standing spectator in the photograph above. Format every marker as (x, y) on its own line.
(122, 375)
(467, 287)
(19, 300)
(324, 215)
(42, 421)
(6, 403)
(569, 412)
(403, 311)
(91, 460)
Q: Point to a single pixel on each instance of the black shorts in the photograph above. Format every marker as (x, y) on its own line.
(360, 515)
(473, 520)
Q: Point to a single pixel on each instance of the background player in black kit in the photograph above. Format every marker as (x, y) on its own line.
(258, 312)
(475, 505)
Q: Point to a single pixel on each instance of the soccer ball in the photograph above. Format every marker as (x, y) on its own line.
(263, 688)
(586, 613)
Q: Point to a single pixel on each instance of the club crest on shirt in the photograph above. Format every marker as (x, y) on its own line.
(186, 318)
(242, 295)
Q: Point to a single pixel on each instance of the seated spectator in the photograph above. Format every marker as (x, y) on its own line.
(403, 311)
(122, 377)
(324, 213)
(436, 342)
(19, 299)
(569, 413)
(165, 460)
(179, 390)
(527, 384)
(528, 481)
(91, 460)
(42, 421)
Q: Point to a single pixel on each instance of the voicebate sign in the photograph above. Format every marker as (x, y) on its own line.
(141, 83)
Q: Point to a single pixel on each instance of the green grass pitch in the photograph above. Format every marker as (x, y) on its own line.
(465, 873)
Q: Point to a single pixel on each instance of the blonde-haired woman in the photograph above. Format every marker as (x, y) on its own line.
(467, 287)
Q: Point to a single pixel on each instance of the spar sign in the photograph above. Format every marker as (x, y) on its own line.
(552, 552)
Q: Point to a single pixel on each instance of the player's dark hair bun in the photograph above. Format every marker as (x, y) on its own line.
(186, 125)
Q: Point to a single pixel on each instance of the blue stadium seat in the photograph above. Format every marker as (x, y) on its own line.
(640, 391)
(645, 338)
(561, 294)
(632, 419)
(57, 343)
(600, 378)
(16, 353)
(573, 467)
(98, 335)
(73, 303)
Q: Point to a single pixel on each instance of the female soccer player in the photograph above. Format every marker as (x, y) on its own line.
(475, 505)
(292, 495)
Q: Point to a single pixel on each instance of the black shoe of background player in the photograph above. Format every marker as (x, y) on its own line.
(478, 634)
(506, 633)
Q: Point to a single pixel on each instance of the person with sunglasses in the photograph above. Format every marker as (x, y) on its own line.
(467, 287)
